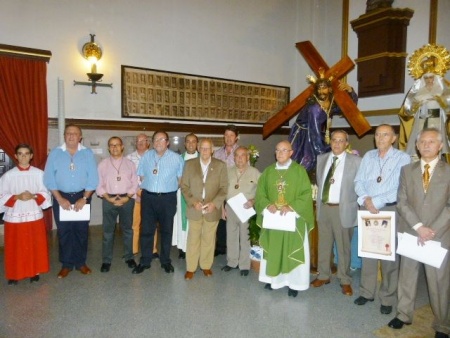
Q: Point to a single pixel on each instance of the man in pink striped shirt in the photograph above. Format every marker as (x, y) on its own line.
(118, 184)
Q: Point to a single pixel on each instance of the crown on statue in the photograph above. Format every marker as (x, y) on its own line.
(321, 81)
(430, 58)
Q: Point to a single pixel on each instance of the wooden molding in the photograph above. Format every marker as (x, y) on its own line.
(26, 53)
(153, 126)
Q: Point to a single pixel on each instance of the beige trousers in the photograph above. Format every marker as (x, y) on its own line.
(200, 244)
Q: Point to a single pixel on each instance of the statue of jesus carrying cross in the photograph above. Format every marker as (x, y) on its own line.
(315, 106)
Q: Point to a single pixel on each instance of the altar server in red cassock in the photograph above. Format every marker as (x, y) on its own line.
(22, 198)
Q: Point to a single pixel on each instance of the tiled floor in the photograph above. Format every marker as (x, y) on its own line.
(156, 304)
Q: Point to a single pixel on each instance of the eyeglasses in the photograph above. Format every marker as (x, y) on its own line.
(114, 145)
(203, 148)
(282, 150)
(338, 140)
(160, 140)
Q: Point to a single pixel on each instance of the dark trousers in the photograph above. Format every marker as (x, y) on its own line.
(157, 208)
(72, 235)
(110, 213)
(221, 237)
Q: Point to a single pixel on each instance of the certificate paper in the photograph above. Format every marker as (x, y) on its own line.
(277, 222)
(237, 204)
(376, 235)
(431, 253)
(72, 215)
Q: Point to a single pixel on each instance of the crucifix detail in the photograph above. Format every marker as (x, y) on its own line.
(351, 112)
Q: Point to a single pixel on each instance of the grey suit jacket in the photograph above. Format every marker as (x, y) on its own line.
(216, 187)
(432, 208)
(348, 205)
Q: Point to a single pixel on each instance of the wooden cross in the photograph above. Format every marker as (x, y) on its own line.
(354, 117)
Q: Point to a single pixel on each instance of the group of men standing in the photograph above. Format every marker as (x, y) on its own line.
(384, 180)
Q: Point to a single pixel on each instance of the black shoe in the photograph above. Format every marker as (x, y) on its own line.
(227, 268)
(131, 263)
(168, 267)
(385, 309)
(155, 255)
(268, 287)
(219, 252)
(105, 267)
(292, 293)
(181, 254)
(140, 269)
(34, 279)
(397, 323)
(244, 272)
(362, 300)
(440, 334)
(12, 282)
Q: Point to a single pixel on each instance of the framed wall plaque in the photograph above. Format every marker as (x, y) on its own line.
(156, 94)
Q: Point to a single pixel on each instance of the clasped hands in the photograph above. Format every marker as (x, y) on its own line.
(204, 208)
(425, 234)
(25, 196)
(283, 210)
(66, 205)
(117, 200)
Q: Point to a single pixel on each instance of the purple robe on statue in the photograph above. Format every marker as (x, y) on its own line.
(307, 135)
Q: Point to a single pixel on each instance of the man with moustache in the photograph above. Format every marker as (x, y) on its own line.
(117, 187)
(424, 211)
(376, 185)
(204, 186)
(181, 223)
(160, 170)
(71, 176)
(337, 208)
(242, 178)
(285, 187)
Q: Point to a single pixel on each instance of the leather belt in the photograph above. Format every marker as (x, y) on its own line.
(332, 204)
(72, 193)
(114, 195)
(390, 204)
(158, 193)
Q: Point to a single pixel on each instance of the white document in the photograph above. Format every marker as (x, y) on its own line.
(72, 215)
(431, 253)
(237, 204)
(277, 222)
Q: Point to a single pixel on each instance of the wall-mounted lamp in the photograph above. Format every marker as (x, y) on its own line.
(92, 52)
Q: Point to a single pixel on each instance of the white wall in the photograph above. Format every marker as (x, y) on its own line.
(251, 40)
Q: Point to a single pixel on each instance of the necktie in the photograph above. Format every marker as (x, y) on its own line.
(327, 183)
(426, 177)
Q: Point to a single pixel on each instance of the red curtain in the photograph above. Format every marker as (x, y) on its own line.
(23, 109)
(23, 106)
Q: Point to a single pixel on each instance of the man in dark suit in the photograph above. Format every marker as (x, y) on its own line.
(337, 208)
(423, 206)
(204, 185)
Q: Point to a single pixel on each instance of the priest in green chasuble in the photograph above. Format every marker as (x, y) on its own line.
(285, 187)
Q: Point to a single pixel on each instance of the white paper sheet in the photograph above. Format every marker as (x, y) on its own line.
(431, 253)
(237, 204)
(72, 215)
(277, 222)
